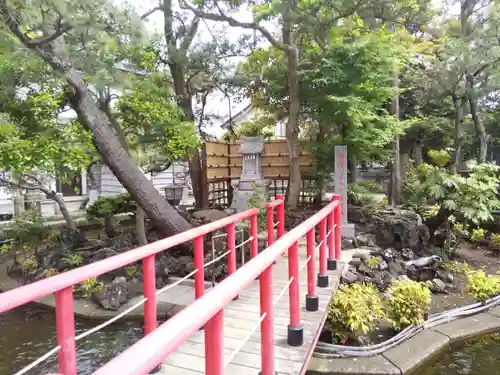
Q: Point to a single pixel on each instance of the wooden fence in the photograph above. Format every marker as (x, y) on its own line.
(223, 165)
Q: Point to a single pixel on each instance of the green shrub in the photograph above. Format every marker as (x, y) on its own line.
(354, 310)
(359, 195)
(371, 186)
(458, 228)
(457, 267)
(27, 232)
(263, 126)
(131, 271)
(406, 303)
(29, 265)
(373, 263)
(477, 235)
(109, 206)
(494, 241)
(50, 272)
(88, 287)
(73, 259)
(482, 286)
(472, 197)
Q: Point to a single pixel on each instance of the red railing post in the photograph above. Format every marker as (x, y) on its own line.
(149, 291)
(331, 262)
(199, 264)
(270, 225)
(214, 345)
(295, 330)
(338, 227)
(254, 233)
(312, 300)
(231, 246)
(322, 276)
(281, 216)
(266, 326)
(65, 327)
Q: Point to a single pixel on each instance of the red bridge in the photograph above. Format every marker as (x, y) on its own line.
(265, 317)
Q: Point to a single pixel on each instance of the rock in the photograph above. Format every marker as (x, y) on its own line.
(120, 280)
(403, 278)
(407, 254)
(103, 254)
(433, 260)
(365, 270)
(361, 254)
(113, 295)
(375, 251)
(398, 228)
(355, 214)
(426, 274)
(396, 269)
(209, 216)
(382, 280)
(169, 265)
(349, 277)
(355, 262)
(160, 282)
(389, 254)
(438, 286)
(347, 244)
(382, 264)
(446, 276)
(364, 240)
(135, 287)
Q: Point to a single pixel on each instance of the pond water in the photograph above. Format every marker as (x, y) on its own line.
(28, 333)
(480, 356)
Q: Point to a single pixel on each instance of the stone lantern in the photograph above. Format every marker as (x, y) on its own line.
(252, 176)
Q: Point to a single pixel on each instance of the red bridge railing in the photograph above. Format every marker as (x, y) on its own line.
(207, 311)
(62, 285)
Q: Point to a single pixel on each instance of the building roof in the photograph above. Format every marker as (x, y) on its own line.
(232, 119)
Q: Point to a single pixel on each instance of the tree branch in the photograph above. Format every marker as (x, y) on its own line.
(61, 28)
(150, 12)
(221, 17)
(188, 38)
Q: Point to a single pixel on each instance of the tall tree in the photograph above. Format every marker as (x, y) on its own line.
(51, 31)
(287, 11)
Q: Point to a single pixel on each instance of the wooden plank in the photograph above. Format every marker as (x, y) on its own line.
(244, 358)
(241, 317)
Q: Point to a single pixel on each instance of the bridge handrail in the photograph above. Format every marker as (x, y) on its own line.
(31, 292)
(150, 351)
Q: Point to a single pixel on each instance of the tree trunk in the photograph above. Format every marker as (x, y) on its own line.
(353, 169)
(320, 139)
(292, 127)
(140, 227)
(457, 154)
(292, 131)
(481, 135)
(417, 154)
(435, 222)
(165, 217)
(184, 101)
(70, 223)
(396, 182)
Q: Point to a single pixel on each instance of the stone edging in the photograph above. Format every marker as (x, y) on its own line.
(87, 309)
(412, 353)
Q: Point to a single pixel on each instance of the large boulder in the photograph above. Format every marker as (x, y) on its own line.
(395, 227)
(113, 295)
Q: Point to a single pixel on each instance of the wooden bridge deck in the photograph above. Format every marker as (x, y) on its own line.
(242, 315)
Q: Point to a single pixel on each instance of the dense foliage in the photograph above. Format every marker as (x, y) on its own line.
(407, 303)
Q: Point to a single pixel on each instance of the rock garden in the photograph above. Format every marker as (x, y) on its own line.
(417, 263)
(34, 249)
